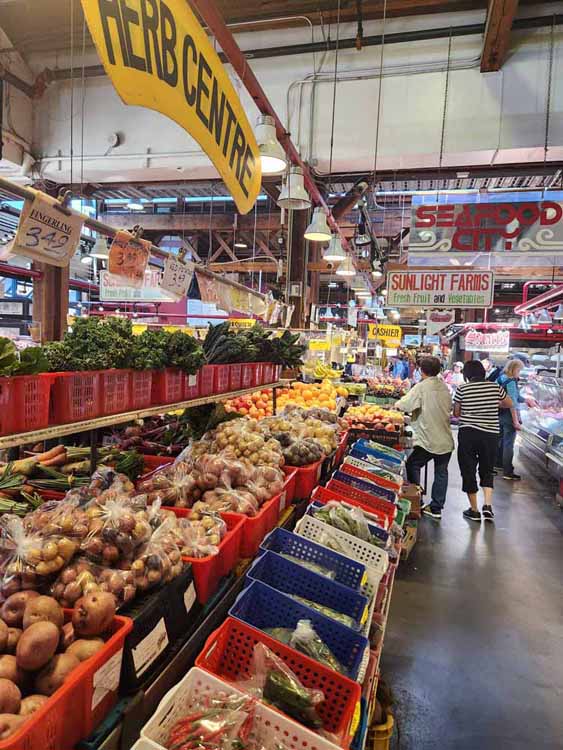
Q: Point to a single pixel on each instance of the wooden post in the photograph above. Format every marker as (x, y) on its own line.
(297, 271)
(50, 301)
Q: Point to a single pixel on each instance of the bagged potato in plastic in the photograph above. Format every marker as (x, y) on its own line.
(222, 500)
(160, 560)
(19, 556)
(83, 577)
(173, 485)
(201, 533)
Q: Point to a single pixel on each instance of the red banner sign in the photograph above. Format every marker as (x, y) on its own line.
(487, 227)
(487, 341)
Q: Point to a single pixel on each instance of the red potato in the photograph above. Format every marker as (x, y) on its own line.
(10, 697)
(4, 635)
(93, 613)
(14, 634)
(10, 724)
(32, 703)
(37, 645)
(14, 607)
(55, 673)
(43, 609)
(10, 671)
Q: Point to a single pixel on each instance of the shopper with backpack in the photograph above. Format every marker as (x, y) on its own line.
(509, 419)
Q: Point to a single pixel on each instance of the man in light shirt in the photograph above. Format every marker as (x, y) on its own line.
(430, 404)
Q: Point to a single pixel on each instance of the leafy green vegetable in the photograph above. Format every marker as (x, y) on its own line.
(184, 351)
(292, 698)
(32, 361)
(150, 350)
(8, 356)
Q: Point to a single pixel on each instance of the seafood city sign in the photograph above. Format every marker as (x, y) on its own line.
(531, 227)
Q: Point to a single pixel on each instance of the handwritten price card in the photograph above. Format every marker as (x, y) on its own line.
(47, 232)
(128, 258)
(177, 277)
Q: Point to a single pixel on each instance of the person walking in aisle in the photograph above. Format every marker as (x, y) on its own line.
(430, 403)
(510, 422)
(476, 404)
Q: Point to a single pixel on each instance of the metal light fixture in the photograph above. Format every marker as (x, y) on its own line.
(293, 194)
(377, 274)
(334, 253)
(135, 206)
(87, 258)
(318, 230)
(362, 237)
(346, 268)
(558, 314)
(333, 285)
(100, 249)
(272, 155)
(240, 243)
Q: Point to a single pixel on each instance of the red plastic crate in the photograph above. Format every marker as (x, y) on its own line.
(167, 386)
(267, 372)
(191, 386)
(141, 389)
(228, 654)
(30, 402)
(256, 527)
(307, 479)
(207, 380)
(221, 378)
(7, 413)
(290, 480)
(236, 377)
(81, 703)
(115, 392)
(151, 463)
(258, 374)
(341, 450)
(249, 374)
(208, 571)
(370, 476)
(325, 495)
(371, 502)
(75, 396)
(277, 372)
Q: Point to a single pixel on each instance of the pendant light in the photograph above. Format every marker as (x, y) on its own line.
(334, 253)
(293, 194)
(100, 249)
(558, 315)
(272, 155)
(346, 268)
(362, 237)
(318, 230)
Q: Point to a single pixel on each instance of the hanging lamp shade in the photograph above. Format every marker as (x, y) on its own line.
(318, 230)
(100, 249)
(362, 237)
(558, 315)
(293, 194)
(334, 253)
(272, 155)
(346, 268)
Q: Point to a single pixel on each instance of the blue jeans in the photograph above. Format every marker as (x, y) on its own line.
(505, 453)
(417, 460)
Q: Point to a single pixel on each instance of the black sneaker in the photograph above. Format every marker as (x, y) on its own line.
(512, 477)
(488, 514)
(472, 515)
(431, 513)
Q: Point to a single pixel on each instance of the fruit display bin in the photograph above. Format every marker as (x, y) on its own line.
(270, 727)
(324, 495)
(295, 580)
(378, 475)
(262, 607)
(288, 495)
(256, 527)
(115, 391)
(29, 402)
(192, 385)
(141, 389)
(75, 397)
(392, 439)
(167, 386)
(208, 571)
(229, 654)
(82, 702)
(348, 474)
(206, 377)
(307, 479)
(236, 376)
(346, 571)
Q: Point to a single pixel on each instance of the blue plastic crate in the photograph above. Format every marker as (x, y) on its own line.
(365, 486)
(262, 607)
(380, 534)
(348, 572)
(359, 741)
(293, 579)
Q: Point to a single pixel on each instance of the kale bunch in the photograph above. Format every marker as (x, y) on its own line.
(93, 344)
(184, 351)
(150, 350)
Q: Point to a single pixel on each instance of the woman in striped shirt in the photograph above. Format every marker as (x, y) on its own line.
(476, 404)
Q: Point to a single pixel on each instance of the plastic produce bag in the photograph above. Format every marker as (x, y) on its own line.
(346, 518)
(303, 452)
(160, 560)
(83, 576)
(274, 682)
(305, 639)
(118, 526)
(200, 534)
(221, 722)
(174, 485)
(229, 501)
(328, 612)
(313, 567)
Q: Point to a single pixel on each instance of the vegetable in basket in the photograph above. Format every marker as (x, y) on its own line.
(327, 611)
(313, 567)
(304, 639)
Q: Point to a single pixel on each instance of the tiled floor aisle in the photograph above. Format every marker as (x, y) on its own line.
(474, 647)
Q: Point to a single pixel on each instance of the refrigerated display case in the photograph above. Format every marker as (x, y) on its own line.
(542, 425)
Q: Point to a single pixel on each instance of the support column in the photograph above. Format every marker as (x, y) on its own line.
(297, 270)
(50, 301)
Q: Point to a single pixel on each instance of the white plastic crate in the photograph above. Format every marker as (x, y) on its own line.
(270, 727)
(144, 744)
(374, 558)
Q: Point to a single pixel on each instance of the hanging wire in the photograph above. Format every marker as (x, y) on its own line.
(379, 96)
(548, 102)
(71, 90)
(210, 236)
(83, 92)
(254, 243)
(445, 109)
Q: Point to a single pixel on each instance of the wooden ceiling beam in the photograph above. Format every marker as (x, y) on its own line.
(500, 17)
(191, 222)
(248, 266)
(223, 248)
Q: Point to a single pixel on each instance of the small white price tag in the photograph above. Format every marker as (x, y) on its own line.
(150, 647)
(47, 232)
(106, 678)
(177, 277)
(189, 597)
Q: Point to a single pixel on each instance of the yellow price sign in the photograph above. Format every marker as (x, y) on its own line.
(242, 322)
(389, 335)
(158, 55)
(138, 329)
(317, 345)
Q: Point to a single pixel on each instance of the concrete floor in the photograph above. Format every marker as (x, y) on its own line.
(474, 646)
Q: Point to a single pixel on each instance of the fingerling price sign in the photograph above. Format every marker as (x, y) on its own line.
(177, 277)
(128, 258)
(48, 231)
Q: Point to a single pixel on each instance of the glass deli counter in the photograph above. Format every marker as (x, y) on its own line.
(542, 424)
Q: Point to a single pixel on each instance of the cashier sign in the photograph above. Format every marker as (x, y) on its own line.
(158, 56)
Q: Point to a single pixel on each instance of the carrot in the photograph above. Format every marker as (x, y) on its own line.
(59, 460)
(56, 451)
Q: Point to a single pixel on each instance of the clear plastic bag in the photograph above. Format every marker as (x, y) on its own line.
(83, 576)
(160, 560)
(201, 533)
(118, 526)
(305, 639)
(274, 682)
(345, 518)
(303, 451)
(229, 501)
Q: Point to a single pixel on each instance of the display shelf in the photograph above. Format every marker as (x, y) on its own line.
(55, 431)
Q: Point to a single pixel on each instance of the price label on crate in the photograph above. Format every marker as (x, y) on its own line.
(128, 258)
(177, 277)
(47, 232)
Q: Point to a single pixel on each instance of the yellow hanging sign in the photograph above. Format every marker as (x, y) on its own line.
(318, 345)
(158, 56)
(242, 322)
(389, 335)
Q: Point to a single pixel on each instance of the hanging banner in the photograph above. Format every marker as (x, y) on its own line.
(129, 258)
(389, 335)
(242, 322)
(437, 320)
(114, 289)
(353, 317)
(47, 232)
(177, 277)
(230, 298)
(487, 228)
(157, 55)
(416, 288)
(493, 342)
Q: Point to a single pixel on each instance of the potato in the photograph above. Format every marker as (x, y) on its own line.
(43, 609)
(13, 638)
(83, 648)
(67, 636)
(14, 606)
(9, 670)
(10, 697)
(53, 674)
(37, 645)
(4, 633)
(10, 724)
(32, 703)
(93, 613)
